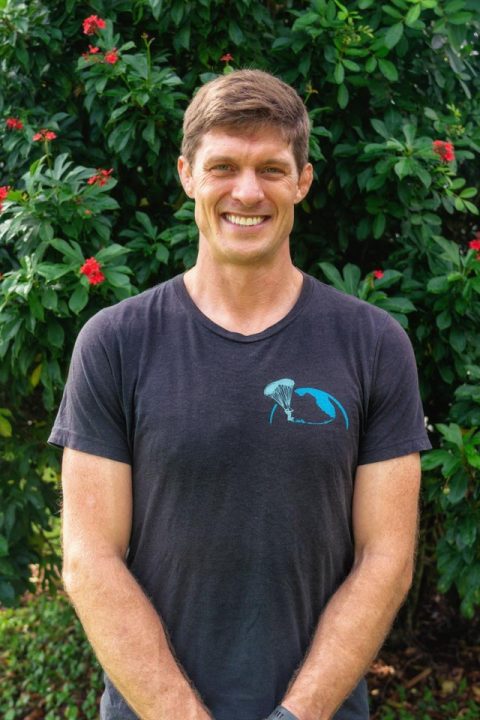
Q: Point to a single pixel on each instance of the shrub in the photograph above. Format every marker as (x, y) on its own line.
(46, 663)
(392, 92)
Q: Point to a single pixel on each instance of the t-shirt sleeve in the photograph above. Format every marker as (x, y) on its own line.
(395, 423)
(91, 415)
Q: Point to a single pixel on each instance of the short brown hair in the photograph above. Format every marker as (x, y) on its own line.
(247, 99)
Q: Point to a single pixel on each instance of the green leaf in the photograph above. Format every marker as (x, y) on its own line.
(162, 254)
(54, 271)
(458, 339)
(332, 274)
(111, 251)
(342, 96)
(5, 427)
(55, 333)
(371, 64)
(234, 33)
(393, 35)
(468, 193)
(72, 253)
(352, 275)
(434, 458)
(78, 299)
(451, 433)
(404, 167)
(380, 127)
(388, 70)
(413, 15)
(444, 320)
(458, 486)
(450, 250)
(117, 279)
(339, 74)
(396, 304)
(378, 225)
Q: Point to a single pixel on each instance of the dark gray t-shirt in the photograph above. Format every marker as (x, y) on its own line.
(243, 453)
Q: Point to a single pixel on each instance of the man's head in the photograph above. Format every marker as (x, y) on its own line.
(246, 100)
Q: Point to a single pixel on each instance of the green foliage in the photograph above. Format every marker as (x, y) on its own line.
(382, 82)
(427, 706)
(457, 493)
(46, 663)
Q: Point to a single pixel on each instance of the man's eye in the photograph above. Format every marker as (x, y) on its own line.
(223, 167)
(272, 170)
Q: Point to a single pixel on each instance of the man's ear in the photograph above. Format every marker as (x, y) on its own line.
(304, 182)
(185, 173)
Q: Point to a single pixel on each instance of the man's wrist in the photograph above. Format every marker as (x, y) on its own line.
(281, 713)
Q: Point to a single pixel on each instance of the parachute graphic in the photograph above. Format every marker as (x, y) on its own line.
(281, 391)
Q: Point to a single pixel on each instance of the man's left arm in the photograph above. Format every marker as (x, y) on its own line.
(360, 613)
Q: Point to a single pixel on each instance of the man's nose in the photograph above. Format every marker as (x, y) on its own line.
(247, 188)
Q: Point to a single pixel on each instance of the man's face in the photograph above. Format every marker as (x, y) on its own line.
(245, 186)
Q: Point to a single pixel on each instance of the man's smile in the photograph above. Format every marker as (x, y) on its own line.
(245, 219)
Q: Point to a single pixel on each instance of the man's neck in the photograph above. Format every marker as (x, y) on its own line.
(244, 299)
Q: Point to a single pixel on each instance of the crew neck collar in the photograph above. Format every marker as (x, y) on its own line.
(182, 292)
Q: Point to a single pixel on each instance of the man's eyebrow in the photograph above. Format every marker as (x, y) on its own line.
(218, 159)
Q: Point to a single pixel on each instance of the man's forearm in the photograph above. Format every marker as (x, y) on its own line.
(348, 636)
(130, 642)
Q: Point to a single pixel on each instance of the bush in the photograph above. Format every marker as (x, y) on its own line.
(91, 132)
(46, 663)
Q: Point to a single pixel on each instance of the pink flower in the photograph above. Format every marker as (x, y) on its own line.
(100, 178)
(92, 24)
(92, 269)
(14, 123)
(444, 150)
(378, 274)
(226, 58)
(44, 134)
(111, 56)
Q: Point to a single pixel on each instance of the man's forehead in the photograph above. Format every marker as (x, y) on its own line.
(222, 142)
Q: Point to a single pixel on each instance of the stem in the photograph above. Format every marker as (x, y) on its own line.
(47, 153)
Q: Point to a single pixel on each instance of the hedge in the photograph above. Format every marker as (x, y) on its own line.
(91, 211)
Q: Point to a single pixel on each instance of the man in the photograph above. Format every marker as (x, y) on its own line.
(241, 468)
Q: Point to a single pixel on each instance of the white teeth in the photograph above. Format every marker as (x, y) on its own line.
(241, 220)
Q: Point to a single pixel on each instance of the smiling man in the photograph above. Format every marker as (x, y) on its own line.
(241, 470)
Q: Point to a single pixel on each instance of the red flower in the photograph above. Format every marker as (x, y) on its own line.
(100, 178)
(444, 150)
(378, 274)
(92, 269)
(92, 24)
(474, 244)
(111, 56)
(226, 58)
(3, 194)
(14, 123)
(44, 134)
(93, 50)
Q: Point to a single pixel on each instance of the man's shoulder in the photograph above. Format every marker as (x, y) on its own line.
(136, 310)
(328, 301)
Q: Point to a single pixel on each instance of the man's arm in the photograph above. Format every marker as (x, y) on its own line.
(359, 615)
(120, 622)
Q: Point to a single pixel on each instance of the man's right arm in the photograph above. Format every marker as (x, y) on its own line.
(120, 622)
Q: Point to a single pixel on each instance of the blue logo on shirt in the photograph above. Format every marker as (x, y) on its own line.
(281, 392)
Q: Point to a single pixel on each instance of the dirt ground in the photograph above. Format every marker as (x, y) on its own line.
(442, 658)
